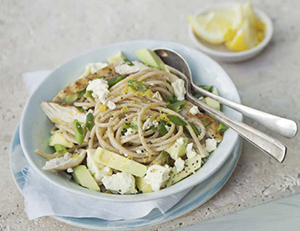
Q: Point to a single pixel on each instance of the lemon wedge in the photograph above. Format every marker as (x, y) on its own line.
(244, 39)
(213, 26)
(238, 27)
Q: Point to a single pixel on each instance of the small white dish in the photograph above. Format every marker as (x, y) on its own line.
(220, 52)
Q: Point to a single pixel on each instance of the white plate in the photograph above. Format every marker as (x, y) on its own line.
(196, 197)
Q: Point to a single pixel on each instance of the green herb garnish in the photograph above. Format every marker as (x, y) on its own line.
(132, 125)
(176, 106)
(79, 131)
(161, 128)
(111, 82)
(171, 98)
(164, 158)
(177, 120)
(128, 62)
(194, 129)
(137, 85)
(198, 95)
(222, 128)
(168, 82)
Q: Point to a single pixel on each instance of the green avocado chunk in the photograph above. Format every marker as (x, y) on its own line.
(119, 162)
(82, 176)
(151, 59)
(58, 138)
(142, 185)
(190, 166)
(119, 57)
(177, 150)
(213, 103)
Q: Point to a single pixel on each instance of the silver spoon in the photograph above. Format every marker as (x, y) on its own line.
(264, 142)
(285, 127)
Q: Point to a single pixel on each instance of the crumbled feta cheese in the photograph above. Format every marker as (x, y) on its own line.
(179, 89)
(180, 141)
(125, 69)
(97, 170)
(190, 152)
(129, 132)
(148, 123)
(121, 182)
(156, 176)
(157, 96)
(155, 123)
(69, 170)
(111, 105)
(96, 66)
(179, 164)
(100, 89)
(194, 110)
(210, 145)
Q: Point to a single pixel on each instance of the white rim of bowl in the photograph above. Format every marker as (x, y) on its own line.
(230, 54)
(112, 197)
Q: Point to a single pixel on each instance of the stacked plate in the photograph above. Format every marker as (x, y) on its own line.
(196, 197)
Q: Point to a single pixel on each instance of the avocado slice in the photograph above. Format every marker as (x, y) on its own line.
(190, 166)
(82, 176)
(58, 138)
(142, 185)
(119, 57)
(213, 103)
(151, 59)
(177, 149)
(119, 162)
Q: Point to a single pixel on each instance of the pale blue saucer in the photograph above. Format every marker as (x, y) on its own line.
(196, 197)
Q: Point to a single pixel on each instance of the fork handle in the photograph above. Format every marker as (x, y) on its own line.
(264, 142)
(285, 127)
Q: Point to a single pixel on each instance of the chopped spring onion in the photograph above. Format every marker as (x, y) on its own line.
(71, 98)
(176, 120)
(79, 131)
(176, 106)
(222, 128)
(111, 82)
(60, 148)
(206, 87)
(161, 128)
(80, 109)
(89, 124)
(136, 85)
(128, 62)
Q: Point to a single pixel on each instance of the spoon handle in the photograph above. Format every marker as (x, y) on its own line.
(285, 127)
(264, 142)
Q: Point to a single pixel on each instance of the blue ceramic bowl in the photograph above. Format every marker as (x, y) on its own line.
(35, 126)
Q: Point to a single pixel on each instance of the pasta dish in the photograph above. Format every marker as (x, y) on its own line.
(126, 128)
